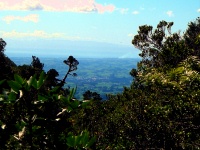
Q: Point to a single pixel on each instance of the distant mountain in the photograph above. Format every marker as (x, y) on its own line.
(58, 48)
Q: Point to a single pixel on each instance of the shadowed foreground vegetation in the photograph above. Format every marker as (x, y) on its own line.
(161, 109)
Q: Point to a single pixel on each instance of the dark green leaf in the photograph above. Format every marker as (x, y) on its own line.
(14, 85)
(91, 142)
(41, 80)
(75, 104)
(54, 89)
(18, 78)
(85, 138)
(85, 104)
(71, 94)
(33, 82)
(70, 141)
(42, 98)
(2, 81)
(12, 96)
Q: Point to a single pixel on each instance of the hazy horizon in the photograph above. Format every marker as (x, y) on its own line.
(92, 28)
(63, 48)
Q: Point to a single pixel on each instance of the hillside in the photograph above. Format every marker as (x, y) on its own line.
(101, 75)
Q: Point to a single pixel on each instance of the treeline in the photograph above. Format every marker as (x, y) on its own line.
(160, 110)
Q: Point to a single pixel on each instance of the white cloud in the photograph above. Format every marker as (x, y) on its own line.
(61, 5)
(2, 5)
(43, 35)
(198, 10)
(31, 17)
(35, 34)
(30, 5)
(22, 5)
(135, 12)
(170, 13)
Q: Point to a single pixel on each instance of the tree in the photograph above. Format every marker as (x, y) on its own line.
(88, 95)
(159, 47)
(6, 65)
(192, 36)
(36, 63)
(161, 108)
(36, 119)
(168, 76)
(2, 45)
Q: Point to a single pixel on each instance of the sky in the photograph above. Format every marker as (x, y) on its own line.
(86, 28)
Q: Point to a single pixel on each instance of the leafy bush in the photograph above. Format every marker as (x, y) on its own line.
(37, 116)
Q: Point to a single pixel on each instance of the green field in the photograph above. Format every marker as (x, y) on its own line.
(102, 75)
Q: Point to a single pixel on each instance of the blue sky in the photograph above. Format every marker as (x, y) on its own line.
(85, 28)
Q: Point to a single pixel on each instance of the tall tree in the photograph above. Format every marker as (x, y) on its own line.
(161, 108)
(192, 36)
(160, 47)
(6, 65)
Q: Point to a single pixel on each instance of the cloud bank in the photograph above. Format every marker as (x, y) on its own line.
(36, 33)
(55, 5)
(41, 34)
(32, 17)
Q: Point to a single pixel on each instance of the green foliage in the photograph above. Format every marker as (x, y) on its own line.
(88, 95)
(160, 110)
(2, 45)
(6, 65)
(34, 116)
(80, 142)
(162, 113)
(72, 63)
(36, 63)
(191, 36)
(2, 81)
(160, 48)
